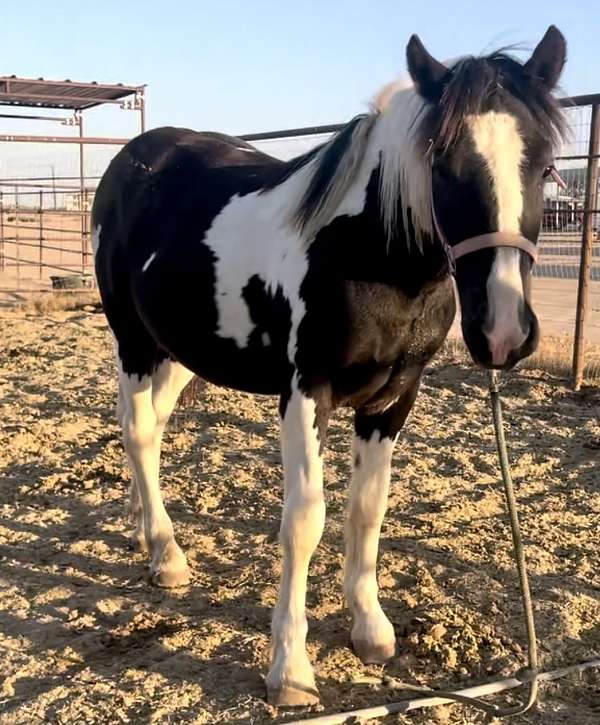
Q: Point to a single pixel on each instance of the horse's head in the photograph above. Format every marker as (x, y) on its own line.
(490, 127)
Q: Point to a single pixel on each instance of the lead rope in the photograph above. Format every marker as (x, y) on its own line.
(531, 673)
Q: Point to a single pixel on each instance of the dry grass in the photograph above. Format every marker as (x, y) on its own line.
(45, 302)
(554, 356)
(192, 393)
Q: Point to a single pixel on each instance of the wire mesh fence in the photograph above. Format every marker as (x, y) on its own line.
(45, 236)
(571, 221)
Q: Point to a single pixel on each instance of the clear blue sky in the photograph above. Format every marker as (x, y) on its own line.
(236, 66)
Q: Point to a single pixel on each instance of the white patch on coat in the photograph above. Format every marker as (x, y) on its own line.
(96, 238)
(367, 503)
(255, 234)
(252, 237)
(498, 141)
(149, 261)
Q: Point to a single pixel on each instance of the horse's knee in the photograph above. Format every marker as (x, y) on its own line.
(138, 432)
(303, 521)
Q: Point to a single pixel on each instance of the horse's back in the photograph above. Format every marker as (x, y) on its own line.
(169, 163)
(164, 188)
(153, 210)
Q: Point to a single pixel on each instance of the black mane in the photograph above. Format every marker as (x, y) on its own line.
(479, 84)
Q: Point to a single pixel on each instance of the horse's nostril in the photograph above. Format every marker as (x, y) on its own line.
(503, 342)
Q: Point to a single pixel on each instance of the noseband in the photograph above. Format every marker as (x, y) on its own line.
(494, 239)
(482, 241)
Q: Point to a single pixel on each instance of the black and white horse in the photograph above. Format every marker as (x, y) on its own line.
(327, 281)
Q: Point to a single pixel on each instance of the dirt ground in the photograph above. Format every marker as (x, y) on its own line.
(85, 639)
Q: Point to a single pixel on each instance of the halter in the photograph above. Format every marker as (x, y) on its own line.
(490, 240)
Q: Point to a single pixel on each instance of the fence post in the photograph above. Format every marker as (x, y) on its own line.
(79, 118)
(41, 226)
(587, 238)
(86, 229)
(17, 239)
(1, 233)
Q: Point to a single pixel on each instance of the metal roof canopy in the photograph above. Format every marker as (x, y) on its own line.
(38, 93)
(41, 93)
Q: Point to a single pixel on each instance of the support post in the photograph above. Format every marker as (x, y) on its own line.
(1, 233)
(41, 231)
(53, 185)
(87, 227)
(79, 117)
(17, 240)
(142, 107)
(587, 238)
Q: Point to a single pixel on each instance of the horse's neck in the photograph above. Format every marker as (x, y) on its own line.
(404, 259)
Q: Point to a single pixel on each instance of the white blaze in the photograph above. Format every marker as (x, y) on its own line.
(498, 141)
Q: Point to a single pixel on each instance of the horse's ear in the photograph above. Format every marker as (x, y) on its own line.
(427, 73)
(548, 59)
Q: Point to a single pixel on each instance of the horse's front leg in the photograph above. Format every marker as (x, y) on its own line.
(372, 635)
(303, 422)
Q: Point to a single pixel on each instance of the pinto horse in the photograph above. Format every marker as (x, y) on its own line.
(326, 280)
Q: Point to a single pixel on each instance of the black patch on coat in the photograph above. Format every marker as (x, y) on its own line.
(371, 318)
(388, 423)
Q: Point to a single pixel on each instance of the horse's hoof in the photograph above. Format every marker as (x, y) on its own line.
(138, 543)
(289, 696)
(171, 579)
(374, 654)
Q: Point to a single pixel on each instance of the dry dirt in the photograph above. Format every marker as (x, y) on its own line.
(84, 638)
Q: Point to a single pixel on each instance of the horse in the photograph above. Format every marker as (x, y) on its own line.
(327, 280)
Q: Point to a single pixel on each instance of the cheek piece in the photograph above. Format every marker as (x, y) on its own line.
(493, 239)
(481, 241)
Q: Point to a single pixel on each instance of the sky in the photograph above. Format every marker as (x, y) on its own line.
(236, 67)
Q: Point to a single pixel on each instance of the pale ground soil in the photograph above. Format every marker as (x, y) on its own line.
(84, 638)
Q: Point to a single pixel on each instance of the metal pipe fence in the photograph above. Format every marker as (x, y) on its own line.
(45, 228)
(44, 233)
(567, 285)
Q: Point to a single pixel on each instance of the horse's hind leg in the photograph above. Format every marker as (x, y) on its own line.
(147, 403)
(136, 510)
